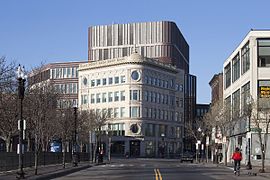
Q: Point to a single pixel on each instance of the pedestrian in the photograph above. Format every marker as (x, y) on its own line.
(237, 157)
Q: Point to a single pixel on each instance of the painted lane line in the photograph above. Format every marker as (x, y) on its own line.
(160, 177)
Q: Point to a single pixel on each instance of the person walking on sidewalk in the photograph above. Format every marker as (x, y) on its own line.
(237, 157)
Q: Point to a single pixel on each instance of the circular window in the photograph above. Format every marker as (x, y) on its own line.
(85, 81)
(134, 128)
(135, 75)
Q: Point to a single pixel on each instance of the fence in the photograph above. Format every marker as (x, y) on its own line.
(10, 160)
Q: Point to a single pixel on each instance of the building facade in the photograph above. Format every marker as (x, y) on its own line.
(157, 40)
(64, 77)
(145, 101)
(216, 84)
(247, 74)
(162, 41)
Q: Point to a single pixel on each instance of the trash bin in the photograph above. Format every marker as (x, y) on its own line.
(75, 159)
(216, 158)
(100, 158)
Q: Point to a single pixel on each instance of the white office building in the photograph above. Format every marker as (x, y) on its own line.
(247, 74)
(145, 99)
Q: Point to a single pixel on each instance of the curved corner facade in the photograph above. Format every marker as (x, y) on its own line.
(144, 99)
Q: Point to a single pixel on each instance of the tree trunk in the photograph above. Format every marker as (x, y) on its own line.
(226, 154)
(36, 153)
(94, 153)
(263, 162)
(8, 140)
(29, 142)
(64, 153)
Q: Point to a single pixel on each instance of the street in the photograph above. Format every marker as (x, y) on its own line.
(157, 169)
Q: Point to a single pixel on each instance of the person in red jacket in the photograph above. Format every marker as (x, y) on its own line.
(237, 157)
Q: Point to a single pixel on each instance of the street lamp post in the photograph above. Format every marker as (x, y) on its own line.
(74, 155)
(163, 145)
(249, 111)
(21, 81)
(109, 143)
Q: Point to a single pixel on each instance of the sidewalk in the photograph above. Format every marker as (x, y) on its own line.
(46, 172)
(255, 171)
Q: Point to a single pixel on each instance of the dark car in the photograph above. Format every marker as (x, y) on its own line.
(187, 156)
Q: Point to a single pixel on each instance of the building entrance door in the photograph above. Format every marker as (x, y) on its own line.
(135, 148)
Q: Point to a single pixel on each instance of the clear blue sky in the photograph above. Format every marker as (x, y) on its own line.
(33, 31)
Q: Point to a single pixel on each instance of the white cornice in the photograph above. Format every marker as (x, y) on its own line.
(133, 59)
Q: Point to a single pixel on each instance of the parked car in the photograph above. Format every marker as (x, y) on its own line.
(187, 156)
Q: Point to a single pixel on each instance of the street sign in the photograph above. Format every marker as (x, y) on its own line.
(256, 129)
(197, 146)
(224, 140)
(24, 124)
(18, 148)
(207, 140)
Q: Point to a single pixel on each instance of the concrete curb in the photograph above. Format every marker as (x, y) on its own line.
(59, 173)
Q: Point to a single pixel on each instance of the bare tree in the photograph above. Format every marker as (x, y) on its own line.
(8, 102)
(65, 127)
(260, 119)
(95, 121)
(41, 101)
(219, 121)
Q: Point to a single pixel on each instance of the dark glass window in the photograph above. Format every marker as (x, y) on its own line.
(120, 34)
(236, 68)
(264, 53)
(245, 58)
(227, 71)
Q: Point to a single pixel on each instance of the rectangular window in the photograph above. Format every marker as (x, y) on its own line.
(264, 53)
(227, 71)
(157, 97)
(110, 111)
(236, 68)
(104, 81)
(85, 99)
(116, 112)
(134, 112)
(104, 97)
(122, 94)
(122, 112)
(75, 88)
(146, 95)
(98, 97)
(236, 104)
(245, 94)
(146, 79)
(92, 98)
(134, 95)
(68, 73)
(245, 58)
(116, 96)
(110, 80)
(116, 80)
(98, 82)
(123, 79)
(64, 72)
(92, 83)
(110, 97)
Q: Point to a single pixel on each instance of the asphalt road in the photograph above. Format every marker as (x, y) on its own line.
(156, 169)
